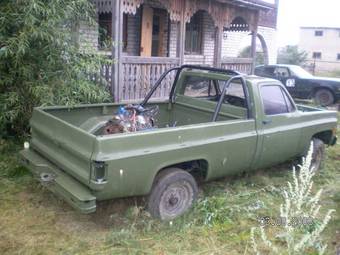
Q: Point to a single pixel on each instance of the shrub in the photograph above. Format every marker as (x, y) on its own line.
(302, 223)
(291, 55)
(40, 63)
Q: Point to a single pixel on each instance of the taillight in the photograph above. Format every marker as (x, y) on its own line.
(99, 172)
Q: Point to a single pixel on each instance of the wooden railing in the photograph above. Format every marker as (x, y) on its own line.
(242, 65)
(139, 74)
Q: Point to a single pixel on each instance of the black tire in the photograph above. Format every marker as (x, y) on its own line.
(324, 97)
(318, 155)
(173, 193)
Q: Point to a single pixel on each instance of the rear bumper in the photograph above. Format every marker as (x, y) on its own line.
(60, 183)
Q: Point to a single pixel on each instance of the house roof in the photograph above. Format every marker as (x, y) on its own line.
(256, 4)
(324, 27)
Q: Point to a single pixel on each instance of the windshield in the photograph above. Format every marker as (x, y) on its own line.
(300, 72)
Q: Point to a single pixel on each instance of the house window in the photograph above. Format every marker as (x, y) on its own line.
(317, 55)
(318, 33)
(105, 31)
(193, 34)
(338, 57)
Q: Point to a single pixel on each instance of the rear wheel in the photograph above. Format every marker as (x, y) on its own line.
(324, 97)
(173, 193)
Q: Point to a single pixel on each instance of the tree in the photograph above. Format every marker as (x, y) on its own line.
(291, 55)
(246, 53)
(40, 64)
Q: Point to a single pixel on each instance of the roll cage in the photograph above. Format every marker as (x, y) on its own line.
(234, 76)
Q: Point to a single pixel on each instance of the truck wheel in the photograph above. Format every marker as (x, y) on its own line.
(318, 155)
(324, 97)
(173, 193)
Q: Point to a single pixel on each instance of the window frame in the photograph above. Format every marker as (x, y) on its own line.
(107, 21)
(211, 86)
(316, 55)
(275, 74)
(285, 96)
(196, 20)
(318, 33)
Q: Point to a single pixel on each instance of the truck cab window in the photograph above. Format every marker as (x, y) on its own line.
(273, 100)
(281, 72)
(234, 95)
(199, 87)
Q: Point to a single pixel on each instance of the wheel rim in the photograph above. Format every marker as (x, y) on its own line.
(316, 161)
(324, 98)
(175, 200)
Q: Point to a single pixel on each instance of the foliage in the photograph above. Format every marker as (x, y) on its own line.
(40, 62)
(291, 55)
(301, 222)
(246, 53)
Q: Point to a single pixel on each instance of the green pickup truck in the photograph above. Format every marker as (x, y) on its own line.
(214, 124)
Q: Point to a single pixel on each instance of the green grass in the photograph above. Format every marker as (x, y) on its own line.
(333, 74)
(34, 221)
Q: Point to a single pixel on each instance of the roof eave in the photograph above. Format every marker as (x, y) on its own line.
(254, 4)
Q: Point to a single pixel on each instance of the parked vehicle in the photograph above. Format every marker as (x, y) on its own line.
(301, 84)
(212, 125)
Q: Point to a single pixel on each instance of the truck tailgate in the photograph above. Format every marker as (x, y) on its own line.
(63, 185)
(67, 146)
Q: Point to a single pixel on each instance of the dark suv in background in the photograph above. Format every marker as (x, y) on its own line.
(301, 84)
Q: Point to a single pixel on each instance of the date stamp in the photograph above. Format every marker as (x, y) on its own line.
(267, 221)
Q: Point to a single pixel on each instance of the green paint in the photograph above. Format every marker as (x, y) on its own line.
(63, 142)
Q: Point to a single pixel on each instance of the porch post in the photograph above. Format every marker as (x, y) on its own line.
(181, 36)
(218, 47)
(253, 42)
(117, 17)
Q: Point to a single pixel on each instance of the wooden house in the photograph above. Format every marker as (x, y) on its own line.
(151, 36)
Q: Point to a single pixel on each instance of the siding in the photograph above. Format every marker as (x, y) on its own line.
(233, 44)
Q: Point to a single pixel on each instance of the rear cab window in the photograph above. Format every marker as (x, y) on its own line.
(199, 87)
(275, 100)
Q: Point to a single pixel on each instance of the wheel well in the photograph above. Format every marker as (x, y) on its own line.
(324, 136)
(318, 88)
(197, 168)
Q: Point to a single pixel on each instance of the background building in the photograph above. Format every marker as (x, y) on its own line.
(323, 47)
(151, 36)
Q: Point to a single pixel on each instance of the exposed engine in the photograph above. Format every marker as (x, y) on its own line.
(131, 118)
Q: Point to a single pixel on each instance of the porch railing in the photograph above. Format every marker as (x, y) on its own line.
(242, 65)
(139, 74)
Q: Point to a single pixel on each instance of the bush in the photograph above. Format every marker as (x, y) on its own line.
(291, 55)
(40, 63)
(246, 53)
(301, 222)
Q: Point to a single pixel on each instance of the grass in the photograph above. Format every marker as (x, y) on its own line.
(332, 74)
(34, 221)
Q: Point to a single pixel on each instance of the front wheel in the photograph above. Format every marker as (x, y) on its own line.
(173, 193)
(324, 97)
(318, 155)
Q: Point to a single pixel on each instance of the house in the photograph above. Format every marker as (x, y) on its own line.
(323, 47)
(151, 36)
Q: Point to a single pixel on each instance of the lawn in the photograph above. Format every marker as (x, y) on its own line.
(34, 221)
